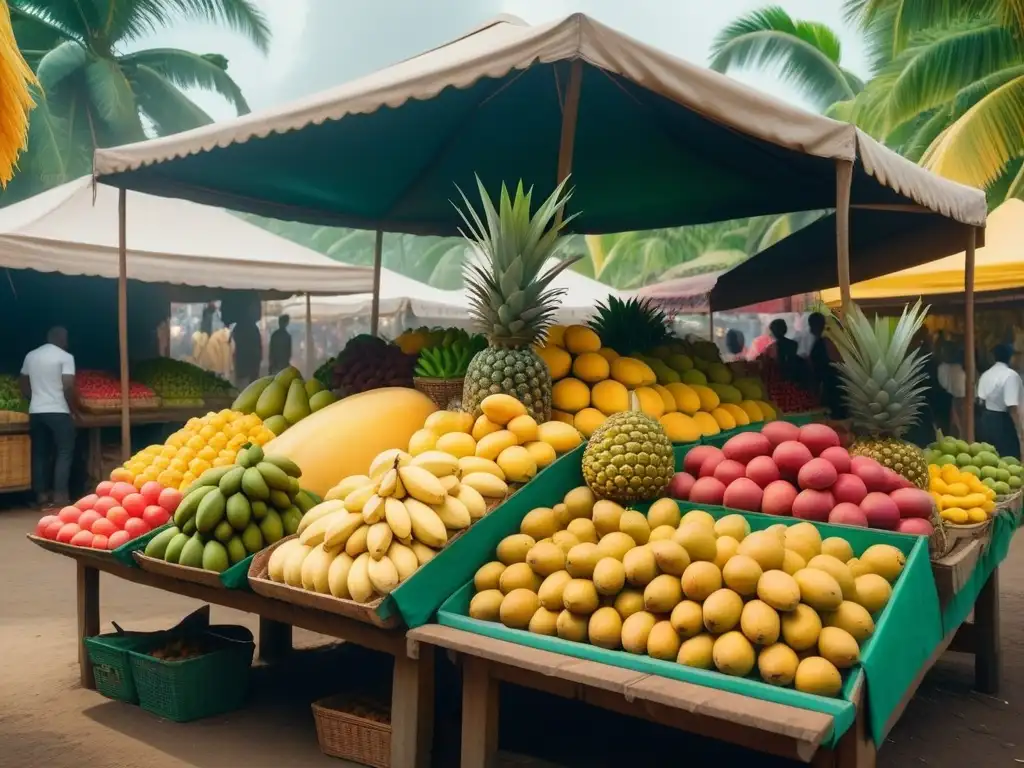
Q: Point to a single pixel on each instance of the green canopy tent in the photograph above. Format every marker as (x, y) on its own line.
(651, 141)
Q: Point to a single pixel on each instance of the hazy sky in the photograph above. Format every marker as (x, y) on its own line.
(319, 43)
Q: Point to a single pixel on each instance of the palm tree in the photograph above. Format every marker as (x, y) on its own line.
(93, 94)
(806, 54)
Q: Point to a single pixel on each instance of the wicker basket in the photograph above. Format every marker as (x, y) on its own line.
(15, 462)
(349, 736)
(441, 391)
(13, 417)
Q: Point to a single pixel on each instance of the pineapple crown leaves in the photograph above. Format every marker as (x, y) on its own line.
(882, 379)
(631, 323)
(509, 295)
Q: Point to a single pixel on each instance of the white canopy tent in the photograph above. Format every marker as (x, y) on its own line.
(72, 229)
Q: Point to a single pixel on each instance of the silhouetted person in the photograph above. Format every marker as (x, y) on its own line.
(280, 346)
(734, 343)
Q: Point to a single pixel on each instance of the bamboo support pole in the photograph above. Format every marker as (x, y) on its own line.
(310, 357)
(378, 251)
(570, 114)
(844, 182)
(969, 354)
(122, 323)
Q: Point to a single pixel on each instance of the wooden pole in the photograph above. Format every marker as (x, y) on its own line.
(969, 354)
(309, 337)
(711, 325)
(844, 182)
(122, 323)
(378, 250)
(570, 113)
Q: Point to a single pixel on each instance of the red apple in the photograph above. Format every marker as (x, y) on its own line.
(845, 513)
(155, 516)
(710, 464)
(152, 491)
(743, 493)
(849, 488)
(707, 490)
(881, 511)
(729, 470)
(169, 499)
(86, 502)
(915, 525)
(790, 456)
(696, 456)
(778, 498)
(817, 474)
(762, 470)
(813, 505)
(679, 486)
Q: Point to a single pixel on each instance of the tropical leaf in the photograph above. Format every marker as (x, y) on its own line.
(113, 99)
(137, 18)
(805, 54)
(61, 63)
(976, 148)
(170, 110)
(187, 70)
(76, 18)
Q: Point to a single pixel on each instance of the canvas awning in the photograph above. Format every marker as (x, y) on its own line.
(998, 267)
(168, 241)
(654, 141)
(397, 293)
(684, 294)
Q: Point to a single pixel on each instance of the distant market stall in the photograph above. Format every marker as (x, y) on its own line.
(651, 142)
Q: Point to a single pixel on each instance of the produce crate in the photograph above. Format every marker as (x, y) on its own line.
(342, 733)
(15, 462)
(200, 686)
(13, 417)
(235, 577)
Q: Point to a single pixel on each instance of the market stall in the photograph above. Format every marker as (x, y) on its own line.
(384, 152)
(68, 231)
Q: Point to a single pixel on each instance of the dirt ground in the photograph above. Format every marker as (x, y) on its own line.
(46, 719)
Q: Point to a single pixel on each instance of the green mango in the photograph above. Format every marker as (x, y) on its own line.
(280, 500)
(272, 527)
(962, 446)
(231, 482)
(1002, 475)
(238, 511)
(1014, 482)
(276, 424)
(236, 550)
(211, 511)
(989, 472)
(252, 538)
(945, 459)
(275, 477)
(290, 519)
(192, 553)
(1001, 488)
(173, 552)
(320, 400)
(248, 397)
(971, 470)
(157, 546)
(964, 459)
(215, 557)
(254, 486)
(288, 375)
(259, 509)
(190, 504)
(271, 401)
(223, 531)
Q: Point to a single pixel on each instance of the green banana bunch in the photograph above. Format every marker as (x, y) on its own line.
(448, 362)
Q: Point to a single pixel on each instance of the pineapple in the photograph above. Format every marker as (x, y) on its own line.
(510, 298)
(634, 325)
(883, 386)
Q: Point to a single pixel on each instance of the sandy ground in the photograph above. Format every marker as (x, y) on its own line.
(46, 719)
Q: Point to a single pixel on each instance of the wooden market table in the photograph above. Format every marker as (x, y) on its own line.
(412, 705)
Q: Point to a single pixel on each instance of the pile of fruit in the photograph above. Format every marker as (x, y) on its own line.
(203, 443)
(1004, 475)
(103, 390)
(114, 515)
(373, 531)
(232, 512)
(10, 395)
(367, 362)
(962, 498)
(802, 472)
(283, 400)
(789, 396)
(690, 590)
(179, 383)
(447, 355)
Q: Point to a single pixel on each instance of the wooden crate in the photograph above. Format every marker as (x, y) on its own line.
(15, 462)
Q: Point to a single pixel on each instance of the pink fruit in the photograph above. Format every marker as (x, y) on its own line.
(779, 432)
(120, 490)
(154, 516)
(87, 518)
(818, 437)
(680, 484)
(118, 517)
(103, 527)
(849, 488)
(743, 493)
(104, 488)
(745, 446)
(69, 514)
(915, 525)
(838, 457)
(817, 475)
(105, 504)
(870, 471)
(44, 522)
(695, 457)
(169, 499)
(811, 504)
(151, 491)
(67, 532)
(86, 502)
(729, 470)
(790, 456)
(778, 498)
(51, 531)
(118, 538)
(762, 470)
(845, 513)
(82, 539)
(134, 504)
(913, 502)
(894, 481)
(99, 542)
(881, 511)
(707, 490)
(710, 464)
(135, 527)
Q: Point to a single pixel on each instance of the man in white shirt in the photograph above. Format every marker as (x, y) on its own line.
(1001, 390)
(48, 382)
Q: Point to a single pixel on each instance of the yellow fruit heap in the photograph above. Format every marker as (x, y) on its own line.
(209, 441)
(373, 531)
(690, 396)
(689, 589)
(962, 498)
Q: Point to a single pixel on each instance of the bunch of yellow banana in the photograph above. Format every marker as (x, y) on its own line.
(373, 531)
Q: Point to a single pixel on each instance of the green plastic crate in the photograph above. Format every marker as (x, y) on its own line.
(197, 687)
(111, 667)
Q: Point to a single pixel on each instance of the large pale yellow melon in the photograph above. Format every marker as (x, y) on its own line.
(343, 438)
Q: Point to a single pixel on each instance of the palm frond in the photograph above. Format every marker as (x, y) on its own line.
(132, 19)
(113, 99)
(170, 110)
(60, 63)
(189, 70)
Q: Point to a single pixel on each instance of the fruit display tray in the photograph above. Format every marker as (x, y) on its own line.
(235, 577)
(122, 554)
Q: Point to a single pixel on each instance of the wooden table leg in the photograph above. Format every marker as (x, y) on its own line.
(88, 618)
(412, 709)
(275, 639)
(94, 456)
(988, 664)
(479, 714)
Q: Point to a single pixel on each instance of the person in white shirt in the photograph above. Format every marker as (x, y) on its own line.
(48, 382)
(953, 381)
(1002, 392)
